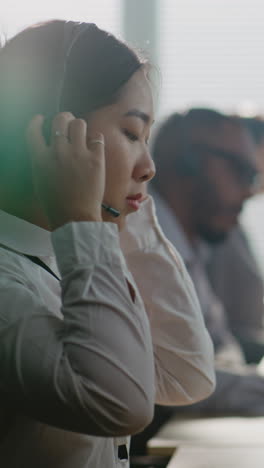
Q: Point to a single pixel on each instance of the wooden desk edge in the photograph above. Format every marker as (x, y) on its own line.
(165, 447)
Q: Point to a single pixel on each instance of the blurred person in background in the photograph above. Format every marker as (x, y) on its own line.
(206, 170)
(235, 272)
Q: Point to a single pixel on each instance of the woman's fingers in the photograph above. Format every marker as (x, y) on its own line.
(96, 144)
(68, 173)
(77, 134)
(36, 141)
(66, 129)
(60, 133)
(96, 140)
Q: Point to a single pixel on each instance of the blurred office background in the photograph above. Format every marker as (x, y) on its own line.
(209, 52)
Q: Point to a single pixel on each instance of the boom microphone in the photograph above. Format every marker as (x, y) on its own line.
(111, 210)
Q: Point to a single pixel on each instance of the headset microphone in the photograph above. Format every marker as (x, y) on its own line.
(111, 210)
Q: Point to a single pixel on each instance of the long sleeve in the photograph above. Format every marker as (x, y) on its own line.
(90, 370)
(239, 392)
(234, 259)
(184, 359)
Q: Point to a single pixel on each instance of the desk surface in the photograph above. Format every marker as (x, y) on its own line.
(217, 457)
(226, 431)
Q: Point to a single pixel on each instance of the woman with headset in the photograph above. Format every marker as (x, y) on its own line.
(81, 363)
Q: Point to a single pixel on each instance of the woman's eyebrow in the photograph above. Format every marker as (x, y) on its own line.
(137, 113)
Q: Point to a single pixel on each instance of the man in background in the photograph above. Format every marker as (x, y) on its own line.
(233, 270)
(206, 170)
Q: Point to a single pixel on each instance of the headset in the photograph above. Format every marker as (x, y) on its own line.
(71, 37)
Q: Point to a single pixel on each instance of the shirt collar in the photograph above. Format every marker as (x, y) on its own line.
(172, 228)
(24, 237)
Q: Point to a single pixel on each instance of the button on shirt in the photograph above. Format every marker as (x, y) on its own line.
(55, 339)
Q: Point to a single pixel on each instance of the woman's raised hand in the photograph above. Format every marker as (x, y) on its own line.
(68, 173)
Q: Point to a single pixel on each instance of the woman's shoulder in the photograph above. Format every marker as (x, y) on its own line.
(13, 266)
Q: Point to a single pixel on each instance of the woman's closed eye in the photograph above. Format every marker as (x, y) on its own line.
(130, 135)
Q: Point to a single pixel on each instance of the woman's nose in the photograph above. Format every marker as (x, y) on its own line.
(145, 169)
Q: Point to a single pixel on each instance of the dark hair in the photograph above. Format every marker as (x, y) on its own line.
(255, 126)
(54, 66)
(173, 142)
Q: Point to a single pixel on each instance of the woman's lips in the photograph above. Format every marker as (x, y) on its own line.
(134, 201)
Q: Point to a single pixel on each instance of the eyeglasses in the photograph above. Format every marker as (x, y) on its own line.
(246, 172)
